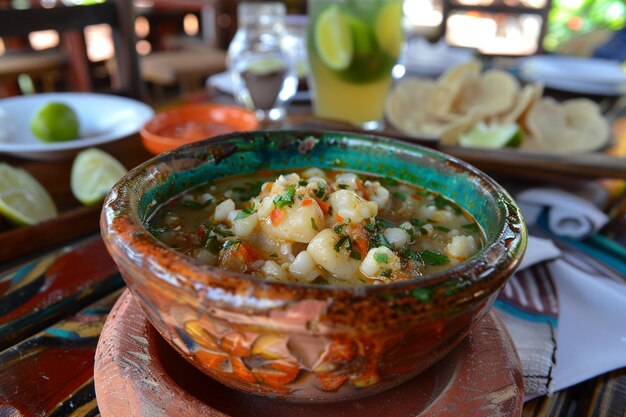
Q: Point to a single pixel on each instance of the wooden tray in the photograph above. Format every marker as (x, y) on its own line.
(610, 163)
(138, 374)
(74, 220)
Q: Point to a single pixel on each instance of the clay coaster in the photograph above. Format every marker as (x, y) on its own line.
(138, 374)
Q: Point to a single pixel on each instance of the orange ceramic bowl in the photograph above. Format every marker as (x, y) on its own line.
(193, 122)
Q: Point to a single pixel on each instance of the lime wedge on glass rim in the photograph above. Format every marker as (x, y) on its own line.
(492, 137)
(94, 172)
(389, 29)
(333, 38)
(23, 200)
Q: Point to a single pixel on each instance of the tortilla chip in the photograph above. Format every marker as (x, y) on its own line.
(525, 99)
(405, 106)
(450, 84)
(575, 126)
(492, 93)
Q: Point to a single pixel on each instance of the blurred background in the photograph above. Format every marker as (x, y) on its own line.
(181, 42)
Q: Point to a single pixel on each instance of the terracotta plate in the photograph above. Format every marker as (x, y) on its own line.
(138, 374)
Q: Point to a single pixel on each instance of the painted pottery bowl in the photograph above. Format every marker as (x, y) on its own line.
(297, 341)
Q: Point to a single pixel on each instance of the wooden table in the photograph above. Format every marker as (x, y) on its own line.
(50, 329)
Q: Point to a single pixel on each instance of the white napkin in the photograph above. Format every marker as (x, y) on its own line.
(591, 334)
(568, 215)
(565, 316)
(539, 250)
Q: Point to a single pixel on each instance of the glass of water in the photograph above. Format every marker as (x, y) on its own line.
(262, 67)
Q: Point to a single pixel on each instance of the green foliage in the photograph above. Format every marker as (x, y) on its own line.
(570, 17)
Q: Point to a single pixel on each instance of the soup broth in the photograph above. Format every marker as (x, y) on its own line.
(318, 226)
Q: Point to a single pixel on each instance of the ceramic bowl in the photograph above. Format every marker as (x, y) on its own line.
(305, 342)
(189, 123)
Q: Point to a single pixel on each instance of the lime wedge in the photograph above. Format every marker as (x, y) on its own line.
(22, 198)
(333, 38)
(93, 174)
(492, 137)
(389, 28)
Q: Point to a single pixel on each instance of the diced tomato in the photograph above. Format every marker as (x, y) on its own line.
(339, 218)
(361, 246)
(360, 238)
(306, 202)
(364, 192)
(277, 216)
(416, 197)
(248, 253)
(201, 231)
(323, 205)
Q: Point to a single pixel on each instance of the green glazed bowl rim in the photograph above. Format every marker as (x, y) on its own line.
(500, 257)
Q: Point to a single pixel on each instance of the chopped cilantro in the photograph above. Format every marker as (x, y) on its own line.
(343, 239)
(319, 193)
(313, 225)
(434, 258)
(417, 222)
(246, 212)
(442, 228)
(410, 254)
(212, 245)
(385, 242)
(441, 202)
(384, 223)
(343, 186)
(381, 258)
(355, 255)
(286, 199)
(232, 243)
(400, 195)
(303, 183)
(372, 226)
(339, 228)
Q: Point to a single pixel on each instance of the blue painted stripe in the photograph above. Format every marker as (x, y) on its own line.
(525, 315)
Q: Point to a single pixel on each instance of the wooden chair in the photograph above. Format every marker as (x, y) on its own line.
(70, 22)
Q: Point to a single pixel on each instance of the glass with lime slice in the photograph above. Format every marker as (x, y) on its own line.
(353, 47)
(23, 200)
(93, 174)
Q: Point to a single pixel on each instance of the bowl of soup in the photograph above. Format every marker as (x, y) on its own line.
(312, 266)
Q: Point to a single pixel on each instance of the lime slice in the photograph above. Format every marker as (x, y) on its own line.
(492, 137)
(389, 28)
(22, 198)
(54, 122)
(93, 174)
(333, 38)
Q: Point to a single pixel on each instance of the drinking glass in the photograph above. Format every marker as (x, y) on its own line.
(353, 46)
(262, 67)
